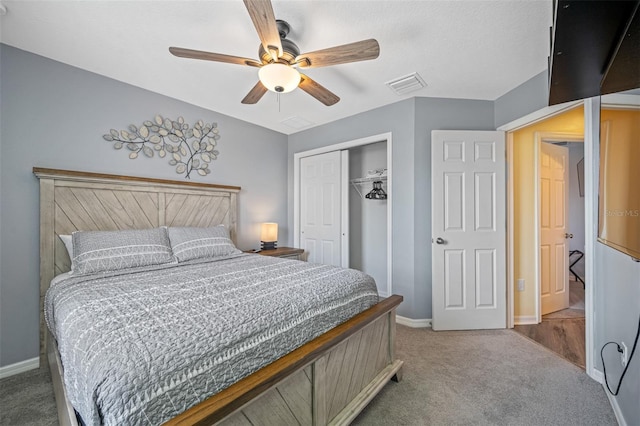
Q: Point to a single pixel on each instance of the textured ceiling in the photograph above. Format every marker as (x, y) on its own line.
(471, 49)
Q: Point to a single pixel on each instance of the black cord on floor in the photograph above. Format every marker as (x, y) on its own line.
(604, 368)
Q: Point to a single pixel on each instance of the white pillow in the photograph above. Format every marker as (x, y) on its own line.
(68, 244)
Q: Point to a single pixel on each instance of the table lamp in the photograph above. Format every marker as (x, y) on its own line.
(269, 236)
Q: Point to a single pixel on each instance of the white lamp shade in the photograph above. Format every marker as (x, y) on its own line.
(269, 232)
(279, 78)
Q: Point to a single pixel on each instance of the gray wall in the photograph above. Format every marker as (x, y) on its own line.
(368, 218)
(616, 282)
(54, 115)
(530, 96)
(410, 122)
(617, 313)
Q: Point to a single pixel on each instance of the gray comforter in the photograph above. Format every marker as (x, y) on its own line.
(141, 347)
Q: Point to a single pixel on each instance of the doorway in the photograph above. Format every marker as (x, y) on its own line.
(540, 268)
(384, 248)
(567, 206)
(563, 330)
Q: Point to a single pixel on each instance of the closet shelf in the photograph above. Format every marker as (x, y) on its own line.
(364, 181)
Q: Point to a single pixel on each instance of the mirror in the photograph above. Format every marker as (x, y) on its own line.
(619, 180)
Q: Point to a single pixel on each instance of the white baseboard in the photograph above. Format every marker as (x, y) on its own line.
(616, 408)
(413, 323)
(525, 320)
(19, 367)
(597, 375)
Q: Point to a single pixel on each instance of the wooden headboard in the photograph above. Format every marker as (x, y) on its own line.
(80, 201)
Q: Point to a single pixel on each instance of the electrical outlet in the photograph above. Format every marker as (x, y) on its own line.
(624, 356)
(521, 284)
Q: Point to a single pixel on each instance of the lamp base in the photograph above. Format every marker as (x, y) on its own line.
(268, 245)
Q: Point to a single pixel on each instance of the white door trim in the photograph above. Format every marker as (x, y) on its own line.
(561, 137)
(510, 222)
(541, 114)
(383, 137)
(591, 158)
(536, 225)
(591, 177)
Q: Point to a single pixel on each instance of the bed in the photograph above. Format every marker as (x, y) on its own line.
(327, 380)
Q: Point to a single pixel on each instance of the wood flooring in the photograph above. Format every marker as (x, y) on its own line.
(563, 331)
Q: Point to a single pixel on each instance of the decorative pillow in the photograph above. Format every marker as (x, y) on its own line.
(197, 243)
(102, 251)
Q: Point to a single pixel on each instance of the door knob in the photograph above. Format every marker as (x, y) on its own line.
(568, 235)
(439, 240)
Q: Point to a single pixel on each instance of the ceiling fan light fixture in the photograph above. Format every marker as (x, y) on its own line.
(279, 78)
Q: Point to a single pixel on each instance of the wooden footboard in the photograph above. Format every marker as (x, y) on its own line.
(327, 381)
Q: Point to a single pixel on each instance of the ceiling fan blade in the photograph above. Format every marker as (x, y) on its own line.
(210, 56)
(317, 91)
(255, 94)
(352, 52)
(264, 20)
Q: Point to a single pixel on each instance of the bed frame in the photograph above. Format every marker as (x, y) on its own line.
(326, 381)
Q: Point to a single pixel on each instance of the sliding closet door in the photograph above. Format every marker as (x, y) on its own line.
(321, 207)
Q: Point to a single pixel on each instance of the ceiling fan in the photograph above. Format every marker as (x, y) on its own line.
(280, 58)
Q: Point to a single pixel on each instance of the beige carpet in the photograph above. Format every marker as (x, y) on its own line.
(27, 399)
(485, 378)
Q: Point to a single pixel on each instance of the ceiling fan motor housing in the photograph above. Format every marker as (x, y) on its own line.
(289, 49)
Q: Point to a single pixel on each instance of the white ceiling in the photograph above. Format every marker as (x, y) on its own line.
(472, 49)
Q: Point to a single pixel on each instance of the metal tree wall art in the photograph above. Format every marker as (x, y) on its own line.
(189, 148)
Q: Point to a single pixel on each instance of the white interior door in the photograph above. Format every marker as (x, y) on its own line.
(321, 207)
(554, 250)
(468, 230)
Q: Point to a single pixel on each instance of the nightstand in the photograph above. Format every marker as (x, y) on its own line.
(284, 252)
